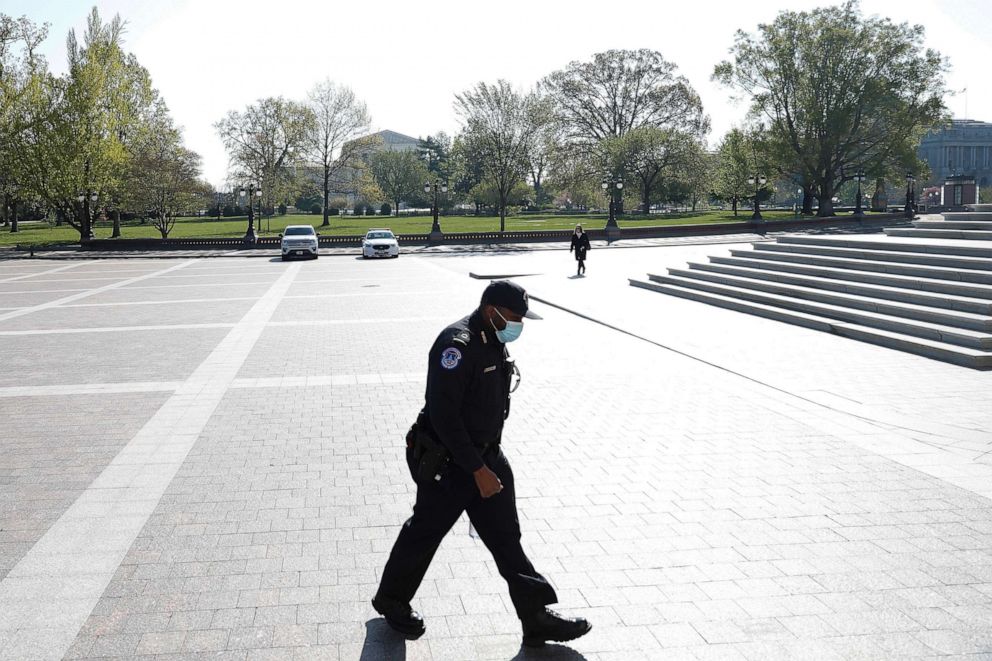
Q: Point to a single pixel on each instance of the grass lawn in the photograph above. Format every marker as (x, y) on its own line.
(40, 234)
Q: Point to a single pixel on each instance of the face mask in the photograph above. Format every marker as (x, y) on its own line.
(578, 232)
(511, 332)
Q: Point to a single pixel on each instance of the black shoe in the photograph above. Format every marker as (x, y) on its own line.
(549, 625)
(400, 616)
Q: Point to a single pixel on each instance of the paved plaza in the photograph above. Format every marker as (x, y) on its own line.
(201, 458)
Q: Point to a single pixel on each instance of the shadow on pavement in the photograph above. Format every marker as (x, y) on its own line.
(549, 651)
(382, 643)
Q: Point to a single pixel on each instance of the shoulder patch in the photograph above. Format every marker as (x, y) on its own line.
(463, 338)
(450, 358)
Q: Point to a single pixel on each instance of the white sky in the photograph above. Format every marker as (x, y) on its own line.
(407, 59)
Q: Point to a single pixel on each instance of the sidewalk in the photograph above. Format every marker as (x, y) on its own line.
(202, 459)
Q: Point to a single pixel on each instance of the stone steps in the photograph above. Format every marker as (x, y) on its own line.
(927, 278)
(955, 224)
(977, 266)
(951, 249)
(976, 299)
(833, 307)
(950, 353)
(952, 319)
(931, 297)
(970, 235)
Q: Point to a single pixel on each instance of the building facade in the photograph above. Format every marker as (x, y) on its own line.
(962, 149)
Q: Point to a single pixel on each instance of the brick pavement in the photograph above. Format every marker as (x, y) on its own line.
(690, 512)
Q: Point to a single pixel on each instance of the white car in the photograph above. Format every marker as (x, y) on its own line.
(299, 241)
(380, 243)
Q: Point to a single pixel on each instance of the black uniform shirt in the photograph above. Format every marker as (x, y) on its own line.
(467, 389)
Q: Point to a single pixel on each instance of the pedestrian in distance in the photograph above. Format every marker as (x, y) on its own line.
(454, 453)
(580, 244)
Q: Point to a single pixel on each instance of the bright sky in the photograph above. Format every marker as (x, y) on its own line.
(407, 59)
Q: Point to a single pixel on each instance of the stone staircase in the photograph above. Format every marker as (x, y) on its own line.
(917, 292)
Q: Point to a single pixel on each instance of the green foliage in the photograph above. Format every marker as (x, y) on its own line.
(499, 130)
(399, 175)
(841, 92)
(385, 209)
(736, 161)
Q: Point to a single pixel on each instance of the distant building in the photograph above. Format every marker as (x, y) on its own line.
(345, 184)
(393, 141)
(963, 149)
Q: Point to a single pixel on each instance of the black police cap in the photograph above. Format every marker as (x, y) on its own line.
(509, 295)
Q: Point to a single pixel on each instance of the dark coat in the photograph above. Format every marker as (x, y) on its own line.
(580, 244)
(468, 389)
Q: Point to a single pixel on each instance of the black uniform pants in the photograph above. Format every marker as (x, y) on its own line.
(437, 508)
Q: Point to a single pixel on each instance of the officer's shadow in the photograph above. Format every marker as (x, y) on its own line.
(384, 644)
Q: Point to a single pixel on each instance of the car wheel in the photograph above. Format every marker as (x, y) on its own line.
(285, 259)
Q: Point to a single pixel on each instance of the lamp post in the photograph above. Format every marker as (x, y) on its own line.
(435, 186)
(85, 198)
(910, 181)
(611, 187)
(859, 177)
(251, 192)
(757, 180)
(799, 201)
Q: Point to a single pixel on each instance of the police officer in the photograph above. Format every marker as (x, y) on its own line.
(467, 400)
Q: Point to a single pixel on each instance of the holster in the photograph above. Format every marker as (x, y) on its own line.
(430, 458)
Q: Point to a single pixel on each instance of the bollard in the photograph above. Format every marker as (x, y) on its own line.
(32, 251)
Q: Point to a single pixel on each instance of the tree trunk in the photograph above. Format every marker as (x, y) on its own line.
(502, 213)
(826, 206)
(734, 202)
(13, 217)
(327, 176)
(117, 225)
(807, 201)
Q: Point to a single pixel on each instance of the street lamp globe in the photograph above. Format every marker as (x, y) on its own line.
(444, 187)
(619, 185)
(427, 187)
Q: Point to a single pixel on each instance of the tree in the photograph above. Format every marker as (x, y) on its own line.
(621, 90)
(21, 68)
(163, 179)
(466, 169)
(841, 92)
(734, 165)
(545, 146)
(399, 175)
(497, 127)
(333, 141)
(651, 154)
(598, 102)
(266, 142)
(81, 124)
(435, 150)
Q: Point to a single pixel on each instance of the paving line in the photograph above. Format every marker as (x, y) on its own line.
(89, 389)
(174, 301)
(47, 280)
(48, 595)
(171, 301)
(42, 291)
(335, 380)
(89, 292)
(113, 329)
(201, 284)
(164, 327)
(329, 380)
(32, 275)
